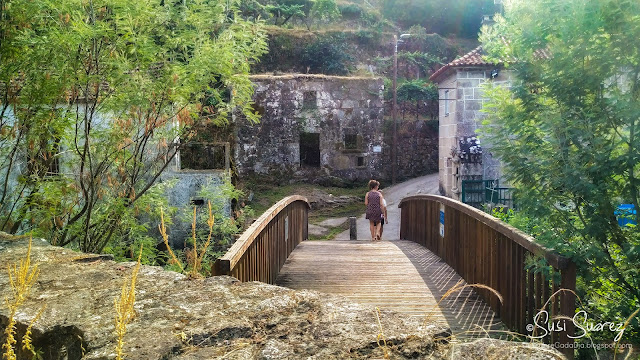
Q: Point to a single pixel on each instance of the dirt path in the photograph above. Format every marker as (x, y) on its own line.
(422, 185)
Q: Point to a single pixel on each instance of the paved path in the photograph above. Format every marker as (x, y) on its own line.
(401, 276)
(422, 185)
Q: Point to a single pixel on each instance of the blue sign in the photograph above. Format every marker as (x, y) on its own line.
(441, 217)
(626, 214)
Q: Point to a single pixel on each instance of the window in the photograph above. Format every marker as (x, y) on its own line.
(446, 103)
(310, 149)
(204, 156)
(197, 202)
(350, 141)
(45, 162)
(360, 161)
(309, 100)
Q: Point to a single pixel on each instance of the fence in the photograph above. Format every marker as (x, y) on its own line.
(479, 192)
(264, 247)
(484, 250)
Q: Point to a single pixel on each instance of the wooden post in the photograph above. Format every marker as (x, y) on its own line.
(353, 229)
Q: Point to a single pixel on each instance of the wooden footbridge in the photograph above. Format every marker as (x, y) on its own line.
(444, 245)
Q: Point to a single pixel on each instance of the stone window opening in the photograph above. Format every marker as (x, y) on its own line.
(309, 100)
(45, 163)
(360, 161)
(310, 149)
(350, 141)
(204, 156)
(197, 202)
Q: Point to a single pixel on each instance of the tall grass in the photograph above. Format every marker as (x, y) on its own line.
(21, 280)
(125, 312)
(195, 257)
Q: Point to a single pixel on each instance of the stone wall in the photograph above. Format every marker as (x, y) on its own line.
(460, 117)
(190, 188)
(313, 127)
(417, 148)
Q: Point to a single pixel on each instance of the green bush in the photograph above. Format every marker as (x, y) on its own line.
(327, 55)
(350, 11)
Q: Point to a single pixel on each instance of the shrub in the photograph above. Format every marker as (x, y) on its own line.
(327, 55)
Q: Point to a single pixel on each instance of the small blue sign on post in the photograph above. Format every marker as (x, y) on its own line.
(441, 220)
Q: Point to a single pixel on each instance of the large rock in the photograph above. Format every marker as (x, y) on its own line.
(208, 318)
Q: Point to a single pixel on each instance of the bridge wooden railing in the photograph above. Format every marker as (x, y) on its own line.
(485, 250)
(262, 249)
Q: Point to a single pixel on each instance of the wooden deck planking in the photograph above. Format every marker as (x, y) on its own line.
(400, 276)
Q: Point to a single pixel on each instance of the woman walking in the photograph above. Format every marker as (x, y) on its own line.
(373, 201)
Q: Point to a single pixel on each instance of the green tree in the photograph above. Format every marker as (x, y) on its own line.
(92, 96)
(324, 11)
(416, 92)
(568, 134)
(462, 17)
(328, 54)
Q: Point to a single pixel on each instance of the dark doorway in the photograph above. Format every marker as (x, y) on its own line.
(310, 149)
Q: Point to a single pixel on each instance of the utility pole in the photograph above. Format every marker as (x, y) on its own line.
(394, 146)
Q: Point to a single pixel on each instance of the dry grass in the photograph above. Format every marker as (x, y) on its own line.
(27, 344)
(197, 259)
(626, 323)
(382, 340)
(194, 257)
(165, 238)
(21, 279)
(125, 312)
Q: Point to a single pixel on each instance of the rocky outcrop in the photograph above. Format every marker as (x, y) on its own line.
(178, 318)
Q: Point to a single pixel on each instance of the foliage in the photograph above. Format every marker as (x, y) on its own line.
(324, 11)
(282, 13)
(569, 136)
(417, 92)
(350, 10)
(426, 62)
(461, 17)
(206, 243)
(92, 96)
(327, 55)
(194, 260)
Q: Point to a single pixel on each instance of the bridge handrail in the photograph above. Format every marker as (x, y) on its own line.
(485, 250)
(523, 239)
(261, 250)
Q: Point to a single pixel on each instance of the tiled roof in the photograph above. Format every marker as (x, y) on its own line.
(475, 58)
(472, 58)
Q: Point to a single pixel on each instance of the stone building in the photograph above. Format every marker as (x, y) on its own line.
(462, 155)
(313, 127)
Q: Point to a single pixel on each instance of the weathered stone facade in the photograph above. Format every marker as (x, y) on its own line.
(461, 97)
(313, 127)
(417, 148)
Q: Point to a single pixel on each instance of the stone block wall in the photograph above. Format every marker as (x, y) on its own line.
(344, 115)
(417, 148)
(463, 119)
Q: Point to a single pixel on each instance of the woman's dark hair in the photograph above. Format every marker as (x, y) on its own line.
(373, 184)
